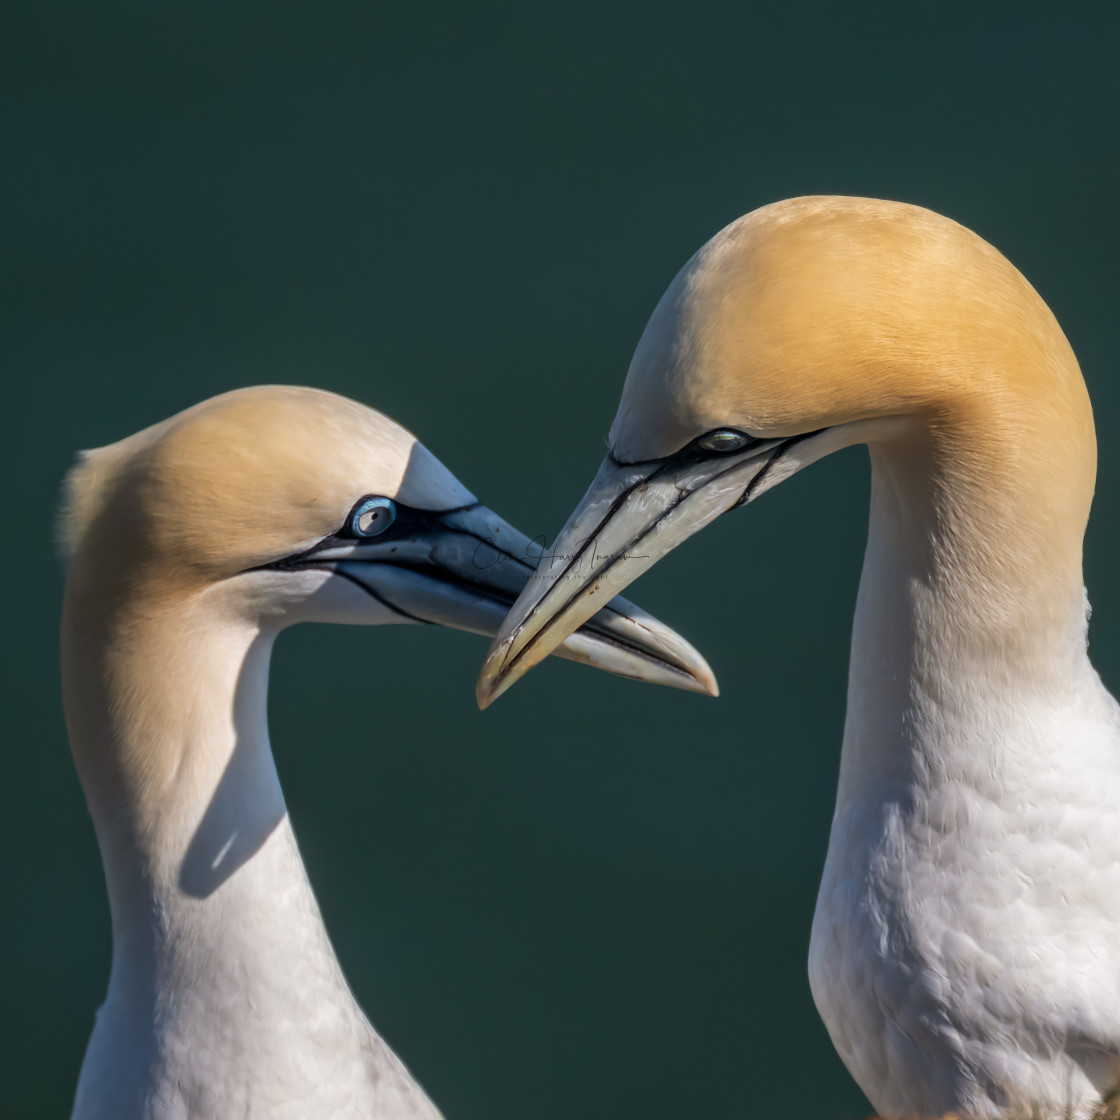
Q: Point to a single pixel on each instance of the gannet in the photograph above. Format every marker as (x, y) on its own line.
(190, 546)
(965, 951)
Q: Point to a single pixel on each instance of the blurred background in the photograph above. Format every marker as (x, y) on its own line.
(593, 900)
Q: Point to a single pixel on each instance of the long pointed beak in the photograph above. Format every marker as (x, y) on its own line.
(465, 568)
(629, 518)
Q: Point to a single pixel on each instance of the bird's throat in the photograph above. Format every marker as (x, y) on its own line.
(971, 601)
(166, 711)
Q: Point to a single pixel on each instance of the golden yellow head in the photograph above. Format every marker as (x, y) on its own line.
(243, 479)
(814, 312)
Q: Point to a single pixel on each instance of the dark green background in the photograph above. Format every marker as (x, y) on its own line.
(594, 900)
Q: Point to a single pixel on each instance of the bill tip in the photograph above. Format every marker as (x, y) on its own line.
(489, 686)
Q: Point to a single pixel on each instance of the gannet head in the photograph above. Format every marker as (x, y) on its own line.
(803, 327)
(287, 504)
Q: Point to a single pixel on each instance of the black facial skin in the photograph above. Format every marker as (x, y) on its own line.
(693, 453)
(409, 524)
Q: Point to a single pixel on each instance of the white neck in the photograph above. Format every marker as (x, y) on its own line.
(222, 972)
(179, 777)
(962, 620)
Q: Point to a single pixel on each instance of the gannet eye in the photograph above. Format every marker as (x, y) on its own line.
(723, 439)
(372, 516)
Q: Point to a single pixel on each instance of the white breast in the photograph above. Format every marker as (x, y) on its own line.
(967, 930)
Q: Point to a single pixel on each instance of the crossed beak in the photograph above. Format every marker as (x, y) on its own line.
(464, 568)
(630, 517)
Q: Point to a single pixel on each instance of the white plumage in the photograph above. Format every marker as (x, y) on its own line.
(965, 953)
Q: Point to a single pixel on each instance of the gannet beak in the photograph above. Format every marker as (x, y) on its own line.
(465, 567)
(630, 517)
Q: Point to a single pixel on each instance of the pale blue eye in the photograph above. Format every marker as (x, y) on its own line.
(723, 439)
(372, 516)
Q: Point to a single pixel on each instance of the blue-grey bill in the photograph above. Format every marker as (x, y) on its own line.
(467, 570)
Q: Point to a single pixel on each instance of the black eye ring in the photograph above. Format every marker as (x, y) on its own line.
(372, 516)
(724, 440)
